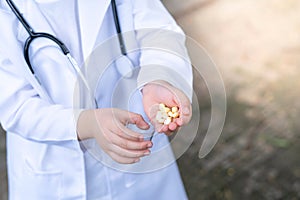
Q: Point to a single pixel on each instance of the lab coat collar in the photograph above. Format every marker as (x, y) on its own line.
(91, 14)
(36, 21)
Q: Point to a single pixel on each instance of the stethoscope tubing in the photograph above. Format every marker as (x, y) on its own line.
(20, 17)
(118, 27)
(33, 35)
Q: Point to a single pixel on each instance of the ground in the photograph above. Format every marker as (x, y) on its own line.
(256, 47)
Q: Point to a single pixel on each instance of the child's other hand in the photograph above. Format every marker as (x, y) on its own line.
(108, 127)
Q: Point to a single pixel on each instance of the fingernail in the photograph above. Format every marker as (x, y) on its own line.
(137, 160)
(147, 153)
(149, 145)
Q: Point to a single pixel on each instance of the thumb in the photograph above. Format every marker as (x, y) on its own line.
(138, 120)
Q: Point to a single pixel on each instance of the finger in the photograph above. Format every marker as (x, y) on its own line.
(185, 108)
(169, 133)
(169, 129)
(172, 126)
(137, 119)
(126, 133)
(186, 114)
(123, 160)
(160, 128)
(165, 129)
(129, 144)
(129, 153)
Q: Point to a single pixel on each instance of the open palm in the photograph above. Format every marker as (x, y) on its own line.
(158, 92)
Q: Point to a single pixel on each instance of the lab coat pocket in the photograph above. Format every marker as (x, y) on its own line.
(41, 184)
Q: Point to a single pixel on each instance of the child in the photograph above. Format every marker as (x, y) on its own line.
(46, 155)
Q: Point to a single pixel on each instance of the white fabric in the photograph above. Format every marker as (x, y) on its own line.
(45, 159)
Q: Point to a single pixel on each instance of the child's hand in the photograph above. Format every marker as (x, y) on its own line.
(162, 92)
(108, 127)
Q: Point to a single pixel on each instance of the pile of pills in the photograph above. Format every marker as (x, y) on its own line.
(165, 115)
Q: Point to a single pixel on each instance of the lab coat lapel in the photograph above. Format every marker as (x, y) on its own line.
(37, 21)
(91, 14)
(50, 76)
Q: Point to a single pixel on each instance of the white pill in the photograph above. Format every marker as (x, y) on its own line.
(168, 121)
(162, 107)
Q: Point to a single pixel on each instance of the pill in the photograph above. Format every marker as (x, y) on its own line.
(167, 109)
(168, 121)
(165, 115)
(162, 106)
(175, 115)
(174, 109)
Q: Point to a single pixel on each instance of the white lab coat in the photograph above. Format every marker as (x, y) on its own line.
(45, 159)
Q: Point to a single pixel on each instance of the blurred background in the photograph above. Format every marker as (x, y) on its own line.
(256, 47)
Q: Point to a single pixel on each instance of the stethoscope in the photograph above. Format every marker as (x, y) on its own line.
(125, 72)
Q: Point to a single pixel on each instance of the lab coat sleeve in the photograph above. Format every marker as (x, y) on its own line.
(25, 113)
(162, 44)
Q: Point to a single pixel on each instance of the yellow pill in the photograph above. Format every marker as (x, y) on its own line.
(175, 115)
(167, 109)
(174, 109)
